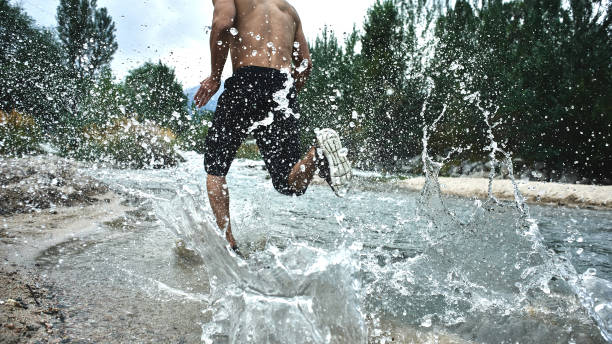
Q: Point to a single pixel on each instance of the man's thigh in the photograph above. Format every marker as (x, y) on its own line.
(229, 129)
(279, 145)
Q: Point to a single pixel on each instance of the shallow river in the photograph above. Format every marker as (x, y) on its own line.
(380, 265)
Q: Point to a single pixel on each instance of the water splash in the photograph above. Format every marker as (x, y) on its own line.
(281, 97)
(301, 294)
(494, 263)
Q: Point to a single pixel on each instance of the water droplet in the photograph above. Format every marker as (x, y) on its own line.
(426, 322)
(302, 66)
(233, 31)
(254, 53)
(296, 44)
(258, 37)
(219, 42)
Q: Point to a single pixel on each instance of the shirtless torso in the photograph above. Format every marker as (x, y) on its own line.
(265, 33)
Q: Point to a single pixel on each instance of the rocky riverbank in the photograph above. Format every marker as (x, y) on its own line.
(30, 311)
(44, 201)
(40, 182)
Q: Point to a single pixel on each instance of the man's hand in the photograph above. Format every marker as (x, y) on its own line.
(208, 87)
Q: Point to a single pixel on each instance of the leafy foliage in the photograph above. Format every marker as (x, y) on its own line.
(155, 95)
(129, 143)
(539, 68)
(19, 134)
(87, 35)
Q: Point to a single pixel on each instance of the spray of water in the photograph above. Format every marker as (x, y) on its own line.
(496, 261)
(473, 274)
(301, 294)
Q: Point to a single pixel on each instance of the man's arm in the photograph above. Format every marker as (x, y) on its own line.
(223, 20)
(301, 57)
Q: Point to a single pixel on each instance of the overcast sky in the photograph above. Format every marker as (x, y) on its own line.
(174, 31)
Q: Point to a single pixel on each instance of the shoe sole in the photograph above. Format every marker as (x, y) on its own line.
(339, 166)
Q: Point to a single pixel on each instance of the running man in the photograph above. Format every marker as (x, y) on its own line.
(271, 62)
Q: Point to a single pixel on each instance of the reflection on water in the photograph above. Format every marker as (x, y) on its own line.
(320, 269)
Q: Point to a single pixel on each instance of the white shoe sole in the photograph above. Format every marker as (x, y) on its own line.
(339, 166)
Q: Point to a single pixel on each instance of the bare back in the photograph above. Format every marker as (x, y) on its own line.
(264, 33)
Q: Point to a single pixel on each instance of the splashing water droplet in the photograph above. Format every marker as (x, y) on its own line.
(426, 322)
(303, 66)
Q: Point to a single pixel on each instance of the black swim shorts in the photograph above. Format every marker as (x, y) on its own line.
(250, 105)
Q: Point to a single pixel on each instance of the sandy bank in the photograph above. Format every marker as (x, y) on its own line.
(24, 236)
(594, 196)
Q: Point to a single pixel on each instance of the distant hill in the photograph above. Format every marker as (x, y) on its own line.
(212, 104)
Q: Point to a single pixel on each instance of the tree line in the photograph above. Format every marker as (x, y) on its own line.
(540, 70)
(62, 78)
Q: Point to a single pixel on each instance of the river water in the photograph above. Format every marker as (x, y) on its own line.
(380, 265)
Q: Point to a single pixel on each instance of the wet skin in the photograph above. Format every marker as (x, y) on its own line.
(264, 33)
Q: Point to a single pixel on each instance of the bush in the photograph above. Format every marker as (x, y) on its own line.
(129, 143)
(194, 139)
(154, 94)
(19, 134)
(248, 150)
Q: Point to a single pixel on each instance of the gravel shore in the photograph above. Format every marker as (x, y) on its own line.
(44, 201)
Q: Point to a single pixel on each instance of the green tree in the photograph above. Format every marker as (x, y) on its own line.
(33, 79)
(391, 97)
(154, 94)
(541, 69)
(319, 99)
(105, 100)
(330, 96)
(87, 35)
(565, 56)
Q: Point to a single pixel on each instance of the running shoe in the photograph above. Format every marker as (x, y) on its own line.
(332, 162)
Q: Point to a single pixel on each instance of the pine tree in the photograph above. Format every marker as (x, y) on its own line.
(319, 100)
(32, 75)
(383, 83)
(87, 35)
